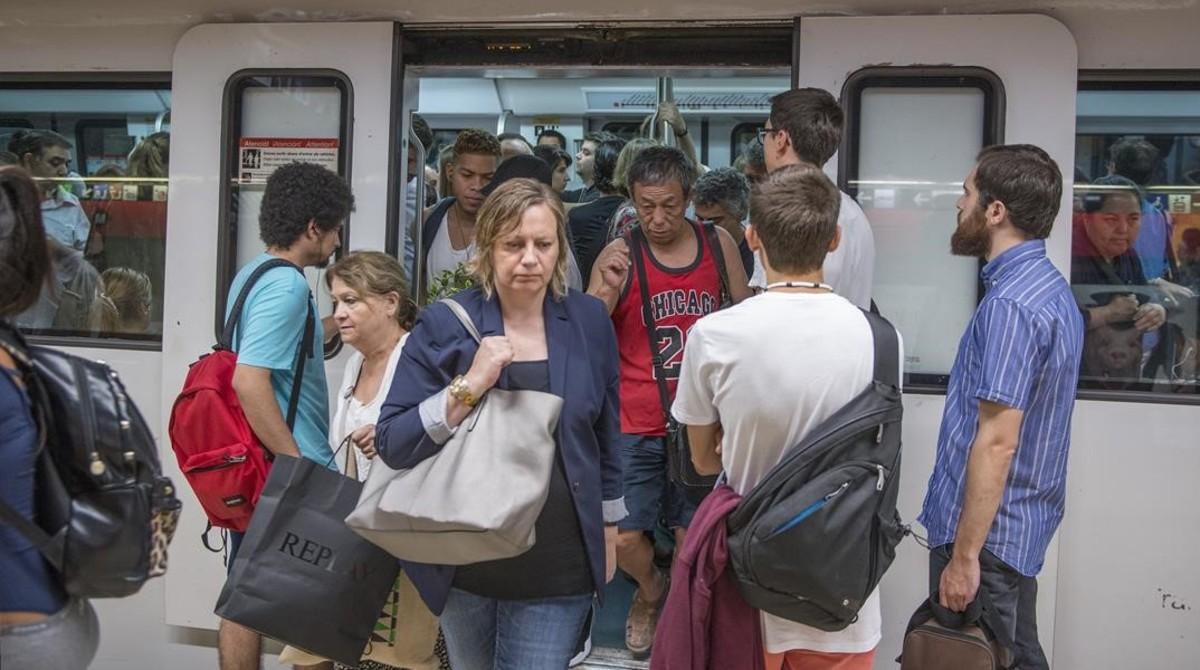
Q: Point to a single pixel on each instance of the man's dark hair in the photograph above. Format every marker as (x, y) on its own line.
(9, 158)
(24, 257)
(1134, 159)
(558, 137)
(725, 187)
(514, 136)
(423, 131)
(813, 120)
(795, 212)
(475, 141)
(552, 155)
(1026, 180)
(296, 194)
(35, 142)
(605, 164)
(598, 136)
(656, 166)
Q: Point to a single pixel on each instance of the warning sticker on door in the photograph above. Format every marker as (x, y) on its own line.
(258, 157)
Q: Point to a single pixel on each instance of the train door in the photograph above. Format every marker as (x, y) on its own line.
(922, 95)
(249, 99)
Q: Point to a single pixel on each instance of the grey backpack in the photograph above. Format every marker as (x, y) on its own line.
(812, 540)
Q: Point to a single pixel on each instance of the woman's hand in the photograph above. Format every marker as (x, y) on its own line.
(494, 354)
(610, 553)
(364, 439)
(1149, 316)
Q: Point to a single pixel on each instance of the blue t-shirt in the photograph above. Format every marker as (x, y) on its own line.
(269, 335)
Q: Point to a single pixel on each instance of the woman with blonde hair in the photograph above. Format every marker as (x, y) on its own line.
(373, 313)
(525, 612)
(131, 295)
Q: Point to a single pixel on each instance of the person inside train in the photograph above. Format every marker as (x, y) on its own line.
(74, 302)
(805, 126)
(588, 223)
(513, 144)
(585, 168)
(9, 158)
(722, 198)
(1103, 256)
(40, 626)
(997, 491)
(131, 296)
(444, 159)
(551, 137)
(304, 208)
(449, 234)
(1137, 160)
(559, 162)
(374, 312)
(47, 157)
(683, 284)
(522, 613)
(625, 215)
(751, 162)
(415, 170)
(745, 407)
(150, 159)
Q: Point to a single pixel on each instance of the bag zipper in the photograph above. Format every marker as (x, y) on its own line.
(227, 461)
(810, 510)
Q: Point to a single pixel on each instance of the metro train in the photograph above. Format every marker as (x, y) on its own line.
(242, 86)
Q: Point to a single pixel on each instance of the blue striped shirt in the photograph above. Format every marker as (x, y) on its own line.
(1021, 349)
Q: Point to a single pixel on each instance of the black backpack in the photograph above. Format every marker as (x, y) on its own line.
(104, 513)
(812, 540)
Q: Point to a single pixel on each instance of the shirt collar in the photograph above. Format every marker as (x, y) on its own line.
(61, 197)
(1008, 262)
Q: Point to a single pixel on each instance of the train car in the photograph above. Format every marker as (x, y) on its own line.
(241, 86)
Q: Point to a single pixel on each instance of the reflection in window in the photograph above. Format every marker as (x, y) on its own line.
(1135, 267)
(100, 156)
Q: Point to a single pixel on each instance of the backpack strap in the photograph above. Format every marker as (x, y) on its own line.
(306, 339)
(714, 243)
(634, 239)
(887, 350)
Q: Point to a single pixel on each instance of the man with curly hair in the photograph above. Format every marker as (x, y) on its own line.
(448, 237)
(303, 210)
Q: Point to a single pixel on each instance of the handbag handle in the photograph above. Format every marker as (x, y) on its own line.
(465, 319)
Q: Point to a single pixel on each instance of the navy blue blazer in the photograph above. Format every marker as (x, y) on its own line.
(582, 349)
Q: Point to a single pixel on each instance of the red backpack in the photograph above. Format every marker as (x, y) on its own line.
(217, 451)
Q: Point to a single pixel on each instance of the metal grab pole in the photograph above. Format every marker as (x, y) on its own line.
(417, 224)
(661, 130)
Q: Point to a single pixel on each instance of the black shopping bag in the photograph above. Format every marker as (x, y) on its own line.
(301, 575)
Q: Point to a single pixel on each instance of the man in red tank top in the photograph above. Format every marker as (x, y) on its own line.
(683, 284)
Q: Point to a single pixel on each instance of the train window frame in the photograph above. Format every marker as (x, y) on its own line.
(1135, 80)
(89, 81)
(231, 124)
(994, 97)
(741, 128)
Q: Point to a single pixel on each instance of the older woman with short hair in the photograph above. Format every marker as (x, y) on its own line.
(525, 612)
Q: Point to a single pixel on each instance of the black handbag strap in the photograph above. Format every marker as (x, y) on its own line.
(634, 239)
(306, 340)
(714, 243)
(38, 537)
(887, 349)
(980, 612)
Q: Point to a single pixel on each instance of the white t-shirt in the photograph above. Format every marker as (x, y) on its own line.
(442, 256)
(770, 369)
(850, 269)
(353, 414)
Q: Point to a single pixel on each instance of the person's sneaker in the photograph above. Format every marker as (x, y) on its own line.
(583, 648)
(642, 620)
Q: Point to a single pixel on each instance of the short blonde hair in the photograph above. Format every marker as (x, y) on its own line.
(501, 214)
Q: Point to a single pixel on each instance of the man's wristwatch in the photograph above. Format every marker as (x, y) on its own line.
(461, 390)
(679, 134)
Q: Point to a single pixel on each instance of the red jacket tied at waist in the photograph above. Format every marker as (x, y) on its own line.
(705, 624)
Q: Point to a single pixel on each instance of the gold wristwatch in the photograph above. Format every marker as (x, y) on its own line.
(460, 389)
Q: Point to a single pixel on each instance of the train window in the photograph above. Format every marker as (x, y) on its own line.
(911, 138)
(741, 137)
(1135, 248)
(104, 207)
(273, 118)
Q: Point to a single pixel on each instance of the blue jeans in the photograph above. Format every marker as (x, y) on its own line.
(489, 634)
(650, 495)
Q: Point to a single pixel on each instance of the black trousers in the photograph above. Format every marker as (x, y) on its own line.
(1012, 594)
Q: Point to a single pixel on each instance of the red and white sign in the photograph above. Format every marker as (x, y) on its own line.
(258, 157)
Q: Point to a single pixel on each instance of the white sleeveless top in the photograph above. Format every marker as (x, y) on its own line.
(352, 414)
(442, 256)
